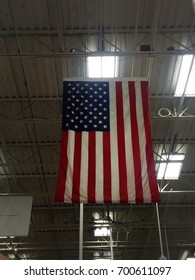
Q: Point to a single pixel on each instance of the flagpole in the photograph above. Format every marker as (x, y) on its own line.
(111, 245)
(81, 233)
(159, 231)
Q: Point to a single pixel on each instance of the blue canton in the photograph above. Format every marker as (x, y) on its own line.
(86, 106)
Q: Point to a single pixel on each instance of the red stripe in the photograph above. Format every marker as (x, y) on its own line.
(77, 168)
(135, 143)
(121, 144)
(107, 168)
(60, 189)
(155, 197)
(92, 167)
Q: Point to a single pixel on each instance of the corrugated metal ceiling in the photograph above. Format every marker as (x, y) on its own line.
(42, 42)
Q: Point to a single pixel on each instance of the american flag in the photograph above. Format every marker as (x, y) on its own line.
(106, 148)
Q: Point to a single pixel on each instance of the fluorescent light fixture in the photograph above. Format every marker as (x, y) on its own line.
(193, 3)
(101, 225)
(171, 168)
(102, 66)
(103, 231)
(187, 69)
(101, 256)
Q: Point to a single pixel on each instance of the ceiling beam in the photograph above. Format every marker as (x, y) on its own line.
(45, 120)
(93, 31)
(55, 175)
(57, 143)
(95, 53)
(57, 99)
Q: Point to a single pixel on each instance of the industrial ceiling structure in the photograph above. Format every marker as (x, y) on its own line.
(43, 42)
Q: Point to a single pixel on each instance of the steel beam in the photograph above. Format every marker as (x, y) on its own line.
(44, 120)
(57, 143)
(93, 31)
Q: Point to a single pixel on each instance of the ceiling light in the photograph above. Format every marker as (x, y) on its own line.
(185, 83)
(102, 66)
(193, 3)
(103, 231)
(170, 167)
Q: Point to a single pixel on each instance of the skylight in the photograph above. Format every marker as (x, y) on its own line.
(102, 226)
(185, 82)
(171, 168)
(102, 231)
(102, 67)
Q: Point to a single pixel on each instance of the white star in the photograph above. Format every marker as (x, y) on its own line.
(105, 126)
(72, 120)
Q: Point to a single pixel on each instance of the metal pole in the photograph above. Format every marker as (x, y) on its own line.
(160, 237)
(111, 245)
(81, 233)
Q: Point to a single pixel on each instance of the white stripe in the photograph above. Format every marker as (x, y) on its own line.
(142, 139)
(84, 167)
(69, 176)
(128, 144)
(114, 144)
(99, 192)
